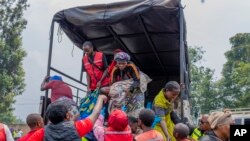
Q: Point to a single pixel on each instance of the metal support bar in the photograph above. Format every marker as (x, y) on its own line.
(135, 35)
(123, 45)
(167, 51)
(48, 66)
(75, 87)
(81, 74)
(182, 54)
(151, 43)
(67, 76)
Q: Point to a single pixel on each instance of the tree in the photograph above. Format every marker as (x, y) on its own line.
(204, 90)
(235, 82)
(12, 24)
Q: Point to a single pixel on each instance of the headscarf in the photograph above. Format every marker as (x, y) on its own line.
(161, 102)
(217, 118)
(56, 77)
(118, 120)
(121, 56)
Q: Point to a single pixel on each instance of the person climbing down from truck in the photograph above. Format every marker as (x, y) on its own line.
(125, 70)
(163, 106)
(126, 89)
(94, 63)
(108, 71)
(58, 88)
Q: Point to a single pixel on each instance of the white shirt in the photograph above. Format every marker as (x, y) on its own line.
(7, 133)
(19, 134)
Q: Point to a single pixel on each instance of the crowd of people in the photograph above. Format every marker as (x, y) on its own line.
(118, 112)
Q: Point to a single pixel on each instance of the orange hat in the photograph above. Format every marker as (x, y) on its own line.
(118, 120)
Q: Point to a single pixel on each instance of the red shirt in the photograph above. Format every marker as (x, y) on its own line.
(58, 89)
(82, 127)
(27, 136)
(2, 133)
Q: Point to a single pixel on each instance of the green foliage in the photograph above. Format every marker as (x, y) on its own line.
(235, 83)
(204, 90)
(12, 74)
(233, 89)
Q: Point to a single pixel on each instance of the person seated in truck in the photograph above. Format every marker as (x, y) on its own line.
(163, 106)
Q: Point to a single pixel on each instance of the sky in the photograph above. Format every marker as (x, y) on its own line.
(209, 25)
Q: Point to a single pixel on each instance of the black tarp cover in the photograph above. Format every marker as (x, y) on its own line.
(149, 30)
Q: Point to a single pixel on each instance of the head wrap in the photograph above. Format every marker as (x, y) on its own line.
(56, 77)
(118, 120)
(217, 118)
(122, 56)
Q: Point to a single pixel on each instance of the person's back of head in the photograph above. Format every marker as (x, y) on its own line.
(57, 112)
(146, 117)
(181, 131)
(61, 128)
(34, 121)
(118, 128)
(118, 120)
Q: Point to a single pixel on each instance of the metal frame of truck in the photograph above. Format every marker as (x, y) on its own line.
(137, 10)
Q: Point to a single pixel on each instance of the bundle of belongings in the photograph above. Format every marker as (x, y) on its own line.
(120, 96)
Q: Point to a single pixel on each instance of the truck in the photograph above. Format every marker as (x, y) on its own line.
(152, 32)
(241, 116)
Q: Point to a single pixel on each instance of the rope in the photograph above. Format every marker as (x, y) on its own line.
(72, 51)
(59, 34)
